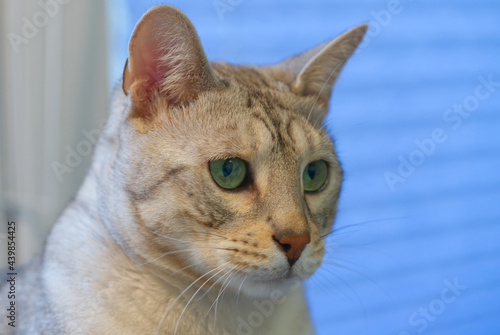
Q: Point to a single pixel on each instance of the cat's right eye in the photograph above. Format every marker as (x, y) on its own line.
(228, 173)
(315, 175)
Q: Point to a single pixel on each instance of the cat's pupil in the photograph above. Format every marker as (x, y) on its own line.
(311, 170)
(227, 167)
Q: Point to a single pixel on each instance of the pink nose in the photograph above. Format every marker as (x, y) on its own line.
(292, 245)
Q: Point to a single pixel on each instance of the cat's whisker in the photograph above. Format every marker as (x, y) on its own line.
(187, 267)
(210, 288)
(198, 244)
(221, 292)
(184, 291)
(198, 290)
(170, 253)
(358, 298)
(218, 295)
(207, 291)
(358, 247)
(206, 314)
(330, 260)
(229, 283)
(323, 126)
(331, 288)
(234, 275)
(357, 301)
(239, 289)
(183, 250)
(365, 276)
(362, 223)
(336, 234)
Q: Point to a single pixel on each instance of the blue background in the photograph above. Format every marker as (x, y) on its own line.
(394, 248)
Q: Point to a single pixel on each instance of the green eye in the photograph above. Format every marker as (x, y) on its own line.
(228, 173)
(314, 176)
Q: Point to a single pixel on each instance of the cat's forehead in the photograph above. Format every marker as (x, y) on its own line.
(250, 88)
(255, 115)
(266, 122)
(247, 76)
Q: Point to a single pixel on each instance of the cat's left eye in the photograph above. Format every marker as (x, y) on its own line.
(228, 173)
(314, 176)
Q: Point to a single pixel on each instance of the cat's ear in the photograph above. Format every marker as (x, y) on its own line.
(314, 72)
(165, 58)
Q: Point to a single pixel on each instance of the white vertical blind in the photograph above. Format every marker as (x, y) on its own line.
(54, 88)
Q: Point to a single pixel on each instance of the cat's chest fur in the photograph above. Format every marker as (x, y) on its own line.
(208, 200)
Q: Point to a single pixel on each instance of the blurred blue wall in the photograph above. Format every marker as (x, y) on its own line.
(416, 118)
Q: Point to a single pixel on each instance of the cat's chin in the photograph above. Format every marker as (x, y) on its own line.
(270, 288)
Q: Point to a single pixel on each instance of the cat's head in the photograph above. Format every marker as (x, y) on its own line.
(224, 172)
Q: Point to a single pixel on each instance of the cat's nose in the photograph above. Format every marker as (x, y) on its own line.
(292, 245)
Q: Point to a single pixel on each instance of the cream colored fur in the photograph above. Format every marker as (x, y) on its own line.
(151, 245)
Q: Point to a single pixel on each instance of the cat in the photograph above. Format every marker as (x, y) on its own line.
(207, 201)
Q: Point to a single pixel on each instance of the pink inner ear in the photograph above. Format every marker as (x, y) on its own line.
(145, 62)
(156, 60)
